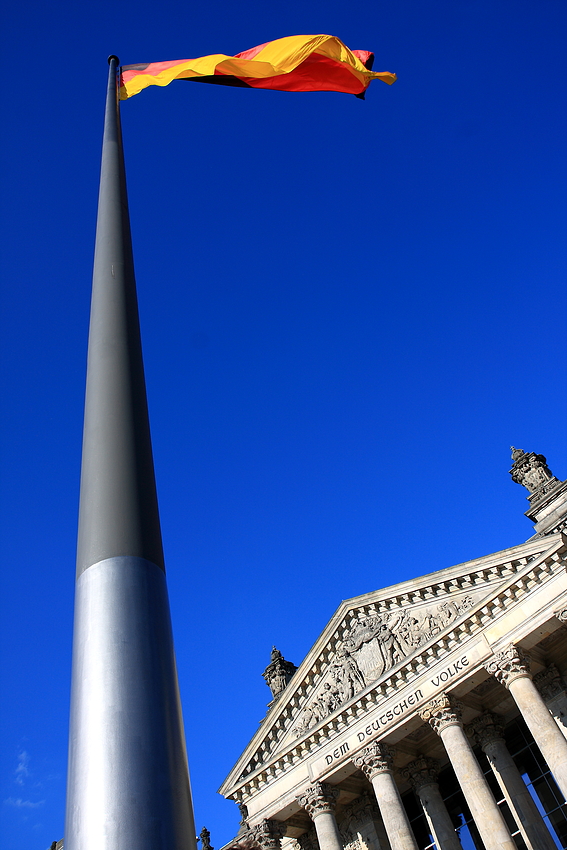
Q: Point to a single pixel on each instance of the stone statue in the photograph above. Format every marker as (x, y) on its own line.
(278, 672)
(329, 699)
(205, 839)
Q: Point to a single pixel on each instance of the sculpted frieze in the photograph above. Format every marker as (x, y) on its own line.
(370, 648)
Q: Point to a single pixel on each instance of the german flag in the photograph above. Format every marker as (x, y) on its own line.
(295, 63)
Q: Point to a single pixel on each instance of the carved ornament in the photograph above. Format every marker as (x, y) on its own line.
(549, 683)
(267, 834)
(442, 712)
(318, 799)
(361, 811)
(307, 841)
(531, 471)
(370, 648)
(243, 816)
(487, 728)
(509, 664)
(374, 759)
(278, 672)
(421, 772)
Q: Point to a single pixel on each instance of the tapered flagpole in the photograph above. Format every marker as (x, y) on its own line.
(128, 783)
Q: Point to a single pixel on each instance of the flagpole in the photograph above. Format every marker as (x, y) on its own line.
(128, 783)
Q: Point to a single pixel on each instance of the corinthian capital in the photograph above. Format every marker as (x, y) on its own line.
(377, 758)
(441, 712)
(318, 798)
(509, 664)
(549, 683)
(308, 841)
(487, 728)
(421, 772)
(268, 834)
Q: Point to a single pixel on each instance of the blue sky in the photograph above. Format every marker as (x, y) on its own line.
(349, 310)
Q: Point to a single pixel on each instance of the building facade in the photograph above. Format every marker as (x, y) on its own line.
(429, 714)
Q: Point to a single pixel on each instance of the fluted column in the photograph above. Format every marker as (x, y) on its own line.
(422, 775)
(444, 715)
(319, 802)
(376, 763)
(268, 834)
(488, 731)
(511, 668)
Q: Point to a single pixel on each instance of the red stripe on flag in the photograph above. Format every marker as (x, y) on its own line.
(316, 73)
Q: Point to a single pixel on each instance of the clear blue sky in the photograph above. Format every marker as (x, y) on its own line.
(350, 310)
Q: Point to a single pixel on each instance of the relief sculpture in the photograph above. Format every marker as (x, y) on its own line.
(371, 648)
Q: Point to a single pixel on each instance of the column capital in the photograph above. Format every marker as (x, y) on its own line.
(421, 772)
(487, 728)
(441, 712)
(509, 664)
(561, 614)
(318, 798)
(549, 683)
(374, 759)
(308, 840)
(267, 834)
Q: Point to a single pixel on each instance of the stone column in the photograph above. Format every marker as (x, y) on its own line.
(444, 715)
(511, 667)
(552, 690)
(268, 834)
(376, 763)
(422, 774)
(319, 802)
(488, 730)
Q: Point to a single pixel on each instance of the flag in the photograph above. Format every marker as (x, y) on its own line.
(295, 63)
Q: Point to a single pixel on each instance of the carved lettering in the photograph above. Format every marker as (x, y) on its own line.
(339, 751)
(388, 716)
(451, 671)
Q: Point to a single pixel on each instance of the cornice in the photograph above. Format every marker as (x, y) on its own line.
(510, 575)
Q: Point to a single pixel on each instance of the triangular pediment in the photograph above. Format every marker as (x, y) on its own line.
(376, 637)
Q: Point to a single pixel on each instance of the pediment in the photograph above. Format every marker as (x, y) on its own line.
(375, 637)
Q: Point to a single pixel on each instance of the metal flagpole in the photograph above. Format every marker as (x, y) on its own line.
(128, 782)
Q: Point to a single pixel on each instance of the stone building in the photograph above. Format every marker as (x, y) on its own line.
(429, 714)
